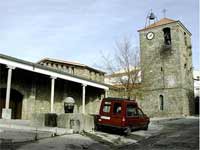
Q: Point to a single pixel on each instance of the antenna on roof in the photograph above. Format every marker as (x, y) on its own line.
(164, 12)
(150, 17)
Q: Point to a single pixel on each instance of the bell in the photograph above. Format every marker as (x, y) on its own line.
(151, 16)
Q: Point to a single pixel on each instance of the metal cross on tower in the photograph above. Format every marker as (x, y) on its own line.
(164, 12)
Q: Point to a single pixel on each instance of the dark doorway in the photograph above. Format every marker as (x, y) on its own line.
(15, 102)
(197, 105)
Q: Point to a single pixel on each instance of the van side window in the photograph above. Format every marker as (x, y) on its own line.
(106, 107)
(117, 108)
(140, 113)
(131, 111)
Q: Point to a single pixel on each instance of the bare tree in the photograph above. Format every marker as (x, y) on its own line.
(124, 65)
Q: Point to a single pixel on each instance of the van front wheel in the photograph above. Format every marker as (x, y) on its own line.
(145, 127)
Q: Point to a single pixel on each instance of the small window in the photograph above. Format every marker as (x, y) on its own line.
(117, 108)
(167, 36)
(106, 108)
(185, 65)
(190, 53)
(67, 68)
(161, 102)
(185, 39)
(161, 69)
(72, 70)
(131, 111)
(90, 75)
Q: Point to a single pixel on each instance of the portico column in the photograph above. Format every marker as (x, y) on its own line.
(106, 93)
(52, 93)
(83, 98)
(6, 113)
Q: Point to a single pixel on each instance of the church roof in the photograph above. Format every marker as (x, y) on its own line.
(51, 72)
(61, 61)
(159, 23)
(68, 63)
(164, 21)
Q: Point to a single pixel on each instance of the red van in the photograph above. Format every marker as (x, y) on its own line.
(121, 114)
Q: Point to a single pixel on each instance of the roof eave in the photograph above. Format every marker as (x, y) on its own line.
(184, 27)
(156, 26)
(35, 66)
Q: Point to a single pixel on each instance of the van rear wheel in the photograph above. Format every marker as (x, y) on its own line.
(127, 131)
(98, 127)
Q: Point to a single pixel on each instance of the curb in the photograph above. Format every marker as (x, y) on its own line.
(161, 120)
(35, 133)
(55, 130)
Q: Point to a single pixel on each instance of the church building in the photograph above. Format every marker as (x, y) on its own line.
(27, 88)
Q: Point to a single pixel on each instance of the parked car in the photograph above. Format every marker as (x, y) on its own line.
(123, 114)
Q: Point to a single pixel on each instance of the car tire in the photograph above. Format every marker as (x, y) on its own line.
(127, 131)
(146, 127)
(97, 127)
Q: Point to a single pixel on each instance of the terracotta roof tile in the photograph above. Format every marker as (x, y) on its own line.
(158, 23)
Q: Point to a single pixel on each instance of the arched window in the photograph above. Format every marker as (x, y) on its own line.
(161, 102)
(167, 36)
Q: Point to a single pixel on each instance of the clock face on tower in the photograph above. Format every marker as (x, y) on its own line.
(150, 35)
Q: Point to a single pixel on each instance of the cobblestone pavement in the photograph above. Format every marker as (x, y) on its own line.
(65, 142)
(181, 134)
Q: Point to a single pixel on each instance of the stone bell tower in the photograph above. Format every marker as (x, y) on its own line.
(166, 65)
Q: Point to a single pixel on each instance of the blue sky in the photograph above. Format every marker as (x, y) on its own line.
(77, 30)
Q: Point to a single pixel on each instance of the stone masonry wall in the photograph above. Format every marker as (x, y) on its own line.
(76, 70)
(173, 103)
